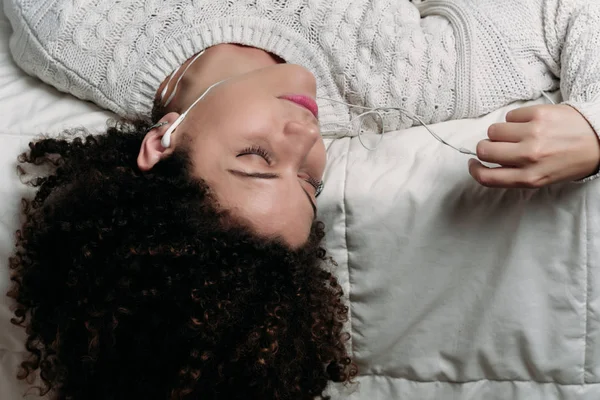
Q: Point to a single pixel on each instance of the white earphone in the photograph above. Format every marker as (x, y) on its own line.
(166, 139)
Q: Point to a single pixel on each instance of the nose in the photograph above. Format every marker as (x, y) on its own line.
(301, 136)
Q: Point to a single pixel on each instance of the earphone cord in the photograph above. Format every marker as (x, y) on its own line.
(378, 111)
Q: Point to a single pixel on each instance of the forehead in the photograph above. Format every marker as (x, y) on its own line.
(270, 208)
(277, 213)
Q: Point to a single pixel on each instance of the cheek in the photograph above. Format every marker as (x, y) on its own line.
(243, 102)
(241, 118)
(296, 77)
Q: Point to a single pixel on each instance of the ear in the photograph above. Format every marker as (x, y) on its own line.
(152, 151)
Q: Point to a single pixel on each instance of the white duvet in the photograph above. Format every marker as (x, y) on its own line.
(456, 291)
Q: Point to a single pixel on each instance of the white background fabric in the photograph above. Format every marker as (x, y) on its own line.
(456, 291)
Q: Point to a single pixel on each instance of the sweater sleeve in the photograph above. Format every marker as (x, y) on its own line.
(572, 35)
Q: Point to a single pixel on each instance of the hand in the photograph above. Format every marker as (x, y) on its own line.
(537, 146)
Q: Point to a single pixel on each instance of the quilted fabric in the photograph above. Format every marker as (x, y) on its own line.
(459, 291)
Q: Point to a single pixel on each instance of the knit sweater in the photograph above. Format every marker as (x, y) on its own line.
(441, 59)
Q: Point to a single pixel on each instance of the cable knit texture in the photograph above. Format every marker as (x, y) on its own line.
(439, 59)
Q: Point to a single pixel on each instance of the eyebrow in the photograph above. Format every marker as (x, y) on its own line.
(266, 175)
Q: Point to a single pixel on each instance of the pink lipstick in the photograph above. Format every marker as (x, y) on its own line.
(303, 101)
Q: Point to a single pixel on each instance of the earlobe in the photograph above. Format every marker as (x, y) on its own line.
(151, 150)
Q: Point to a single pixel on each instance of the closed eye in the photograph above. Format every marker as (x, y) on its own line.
(259, 175)
(314, 182)
(259, 151)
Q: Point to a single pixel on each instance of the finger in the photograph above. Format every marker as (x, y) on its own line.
(503, 153)
(505, 177)
(508, 131)
(523, 114)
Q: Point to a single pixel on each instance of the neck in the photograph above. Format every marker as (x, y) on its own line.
(218, 63)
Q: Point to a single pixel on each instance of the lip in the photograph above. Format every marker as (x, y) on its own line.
(303, 101)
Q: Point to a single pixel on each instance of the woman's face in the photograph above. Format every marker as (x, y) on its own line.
(260, 153)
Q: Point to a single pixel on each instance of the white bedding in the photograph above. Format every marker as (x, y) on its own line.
(456, 291)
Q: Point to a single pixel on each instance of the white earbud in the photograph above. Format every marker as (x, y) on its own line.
(166, 139)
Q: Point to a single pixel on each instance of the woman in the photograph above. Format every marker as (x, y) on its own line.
(225, 169)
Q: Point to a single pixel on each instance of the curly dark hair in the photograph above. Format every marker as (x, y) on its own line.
(135, 285)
